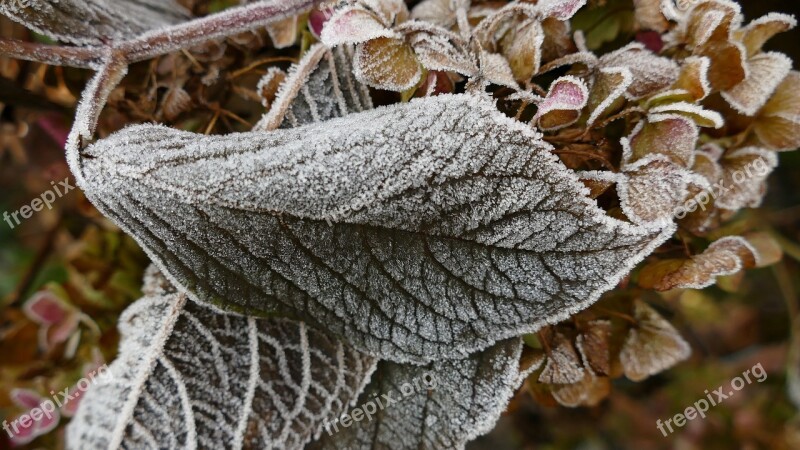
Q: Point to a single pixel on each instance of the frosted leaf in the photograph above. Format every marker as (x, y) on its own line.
(672, 135)
(759, 31)
(319, 87)
(693, 77)
(390, 12)
(188, 376)
(778, 123)
(725, 256)
(437, 52)
(423, 230)
(652, 345)
(495, 70)
(607, 92)
(766, 72)
(593, 345)
(439, 12)
(387, 63)
(702, 117)
(268, 85)
(93, 22)
(589, 391)
(563, 104)
(650, 72)
(649, 15)
(651, 189)
(441, 405)
(522, 47)
(283, 32)
(353, 25)
(744, 176)
(559, 9)
(563, 365)
(705, 218)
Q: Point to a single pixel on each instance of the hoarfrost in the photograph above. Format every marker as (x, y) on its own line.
(424, 230)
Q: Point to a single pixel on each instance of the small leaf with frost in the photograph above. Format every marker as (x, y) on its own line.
(765, 72)
(652, 345)
(593, 345)
(744, 175)
(651, 72)
(606, 93)
(423, 230)
(188, 376)
(725, 256)
(563, 104)
(693, 77)
(649, 15)
(354, 25)
(777, 125)
(522, 47)
(563, 365)
(759, 31)
(589, 391)
(651, 189)
(387, 63)
(441, 405)
(672, 135)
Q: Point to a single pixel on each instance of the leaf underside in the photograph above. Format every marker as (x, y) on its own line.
(188, 376)
(426, 230)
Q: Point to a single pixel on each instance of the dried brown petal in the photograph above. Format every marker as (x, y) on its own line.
(672, 135)
(386, 63)
(778, 123)
(563, 365)
(593, 346)
(649, 16)
(651, 73)
(744, 174)
(767, 250)
(725, 256)
(390, 12)
(652, 345)
(437, 52)
(176, 101)
(557, 39)
(522, 46)
(438, 12)
(651, 189)
(495, 69)
(759, 31)
(766, 72)
(587, 392)
(694, 77)
(283, 32)
(606, 93)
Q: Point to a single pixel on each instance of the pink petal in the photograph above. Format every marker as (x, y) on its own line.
(651, 39)
(45, 308)
(22, 435)
(26, 398)
(53, 125)
(317, 19)
(61, 331)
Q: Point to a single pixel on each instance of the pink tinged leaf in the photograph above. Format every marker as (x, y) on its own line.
(651, 72)
(651, 189)
(672, 135)
(560, 9)
(765, 74)
(435, 83)
(353, 26)
(651, 40)
(45, 308)
(60, 332)
(562, 105)
(26, 398)
(53, 125)
(24, 434)
(317, 19)
(759, 31)
(745, 171)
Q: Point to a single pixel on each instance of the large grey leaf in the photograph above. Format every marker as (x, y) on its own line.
(439, 406)
(93, 22)
(424, 230)
(188, 377)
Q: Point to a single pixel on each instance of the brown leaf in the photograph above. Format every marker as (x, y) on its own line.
(651, 189)
(593, 346)
(651, 72)
(283, 32)
(649, 16)
(693, 77)
(522, 47)
(652, 345)
(589, 391)
(387, 63)
(766, 71)
(672, 135)
(563, 365)
(778, 123)
(606, 93)
(744, 174)
(759, 31)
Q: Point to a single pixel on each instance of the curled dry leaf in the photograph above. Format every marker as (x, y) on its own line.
(672, 135)
(652, 345)
(93, 22)
(778, 123)
(362, 259)
(268, 85)
(593, 345)
(651, 73)
(759, 31)
(562, 106)
(283, 32)
(725, 256)
(693, 78)
(438, 52)
(765, 72)
(522, 47)
(188, 376)
(495, 69)
(651, 189)
(562, 365)
(606, 94)
(744, 175)
(589, 391)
